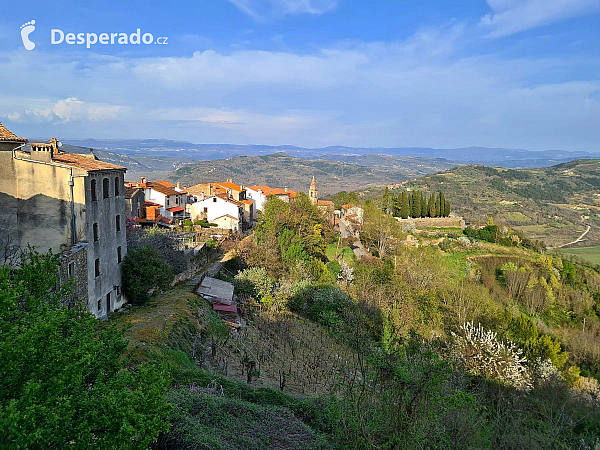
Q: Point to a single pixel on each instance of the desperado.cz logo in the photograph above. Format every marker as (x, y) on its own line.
(58, 36)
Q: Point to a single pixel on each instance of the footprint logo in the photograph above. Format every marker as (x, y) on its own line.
(26, 30)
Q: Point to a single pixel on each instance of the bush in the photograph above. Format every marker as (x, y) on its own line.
(254, 281)
(144, 270)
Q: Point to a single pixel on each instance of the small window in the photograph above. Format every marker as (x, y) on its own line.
(105, 187)
(93, 189)
(119, 254)
(118, 290)
(205, 210)
(177, 200)
(71, 269)
(95, 227)
(167, 201)
(214, 199)
(99, 305)
(117, 187)
(97, 267)
(108, 302)
(118, 222)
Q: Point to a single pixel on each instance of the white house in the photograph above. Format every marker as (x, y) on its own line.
(259, 195)
(220, 209)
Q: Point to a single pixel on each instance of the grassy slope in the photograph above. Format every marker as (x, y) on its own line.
(591, 254)
(545, 203)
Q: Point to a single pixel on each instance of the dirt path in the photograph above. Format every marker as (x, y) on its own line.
(579, 239)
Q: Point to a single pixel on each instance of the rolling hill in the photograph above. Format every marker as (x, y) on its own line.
(554, 204)
(280, 170)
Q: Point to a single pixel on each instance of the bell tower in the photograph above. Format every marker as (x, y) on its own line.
(313, 193)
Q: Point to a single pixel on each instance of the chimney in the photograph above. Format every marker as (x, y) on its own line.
(151, 212)
(230, 180)
(178, 185)
(143, 182)
(41, 152)
(285, 188)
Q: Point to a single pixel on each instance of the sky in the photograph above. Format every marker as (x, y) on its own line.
(313, 73)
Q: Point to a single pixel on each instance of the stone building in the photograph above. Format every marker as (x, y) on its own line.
(60, 201)
(313, 193)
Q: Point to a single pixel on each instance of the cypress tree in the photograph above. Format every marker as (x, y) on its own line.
(423, 205)
(442, 210)
(404, 211)
(416, 204)
(447, 208)
(430, 209)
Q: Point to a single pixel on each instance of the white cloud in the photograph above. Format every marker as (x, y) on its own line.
(69, 110)
(261, 10)
(513, 16)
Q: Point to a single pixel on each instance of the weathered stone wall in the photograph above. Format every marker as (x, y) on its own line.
(435, 222)
(77, 258)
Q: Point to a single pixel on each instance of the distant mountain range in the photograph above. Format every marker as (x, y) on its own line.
(500, 157)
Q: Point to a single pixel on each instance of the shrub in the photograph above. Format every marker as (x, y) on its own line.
(483, 354)
(254, 281)
(144, 270)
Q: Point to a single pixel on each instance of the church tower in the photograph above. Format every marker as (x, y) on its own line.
(313, 194)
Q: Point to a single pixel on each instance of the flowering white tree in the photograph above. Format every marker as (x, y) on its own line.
(481, 353)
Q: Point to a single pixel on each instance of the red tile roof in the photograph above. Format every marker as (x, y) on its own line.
(325, 202)
(232, 186)
(175, 209)
(266, 190)
(86, 162)
(8, 136)
(161, 186)
(247, 202)
(229, 199)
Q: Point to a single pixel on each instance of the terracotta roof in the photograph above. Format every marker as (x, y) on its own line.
(229, 199)
(247, 202)
(233, 186)
(160, 186)
(85, 162)
(165, 183)
(175, 209)
(266, 190)
(346, 206)
(325, 202)
(8, 136)
(227, 215)
(149, 203)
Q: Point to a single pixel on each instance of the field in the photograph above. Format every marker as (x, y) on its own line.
(591, 254)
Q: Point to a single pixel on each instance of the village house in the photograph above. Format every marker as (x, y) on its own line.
(172, 199)
(135, 200)
(220, 209)
(227, 189)
(258, 194)
(72, 204)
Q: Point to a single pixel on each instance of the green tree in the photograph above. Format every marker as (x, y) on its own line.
(404, 206)
(65, 382)
(416, 204)
(143, 270)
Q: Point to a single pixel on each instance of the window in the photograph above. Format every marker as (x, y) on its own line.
(105, 185)
(99, 305)
(71, 269)
(97, 267)
(177, 200)
(108, 302)
(118, 290)
(167, 201)
(93, 189)
(214, 199)
(205, 209)
(117, 187)
(119, 254)
(118, 222)
(95, 227)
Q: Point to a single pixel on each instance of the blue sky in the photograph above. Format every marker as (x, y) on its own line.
(498, 73)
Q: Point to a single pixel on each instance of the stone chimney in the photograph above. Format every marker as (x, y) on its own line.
(41, 152)
(143, 182)
(285, 189)
(178, 185)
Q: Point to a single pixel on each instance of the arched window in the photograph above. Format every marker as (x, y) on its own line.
(105, 184)
(93, 188)
(116, 186)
